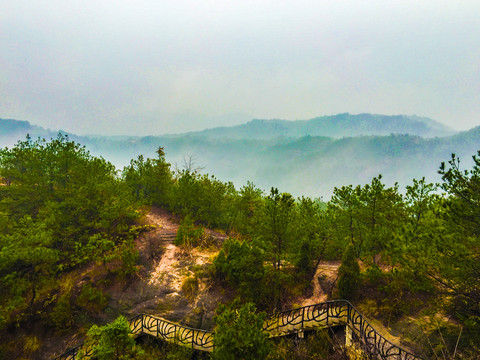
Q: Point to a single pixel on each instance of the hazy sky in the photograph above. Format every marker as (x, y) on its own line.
(150, 67)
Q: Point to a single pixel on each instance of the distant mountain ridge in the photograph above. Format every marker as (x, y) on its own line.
(336, 126)
(9, 126)
(13, 130)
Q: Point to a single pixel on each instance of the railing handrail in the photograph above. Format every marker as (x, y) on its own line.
(350, 318)
(170, 322)
(381, 346)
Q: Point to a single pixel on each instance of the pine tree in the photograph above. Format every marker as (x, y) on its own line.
(349, 275)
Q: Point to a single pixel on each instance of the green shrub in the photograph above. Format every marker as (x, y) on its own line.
(240, 264)
(190, 287)
(317, 345)
(238, 334)
(91, 298)
(113, 341)
(61, 315)
(373, 275)
(188, 234)
(129, 257)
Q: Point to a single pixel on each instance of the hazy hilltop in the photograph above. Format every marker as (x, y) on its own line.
(284, 157)
(337, 126)
(13, 130)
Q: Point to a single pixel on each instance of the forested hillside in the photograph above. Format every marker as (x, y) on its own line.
(70, 224)
(308, 165)
(308, 157)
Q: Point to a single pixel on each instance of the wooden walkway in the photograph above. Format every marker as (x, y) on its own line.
(311, 317)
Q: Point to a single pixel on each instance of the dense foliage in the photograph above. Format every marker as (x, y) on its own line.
(113, 341)
(348, 275)
(238, 334)
(60, 208)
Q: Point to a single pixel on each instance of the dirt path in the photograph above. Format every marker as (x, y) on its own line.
(175, 264)
(323, 281)
(327, 272)
(166, 270)
(164, 267)
(169, 265)
(161, 218)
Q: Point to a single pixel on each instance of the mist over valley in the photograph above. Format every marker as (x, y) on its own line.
(307, 157)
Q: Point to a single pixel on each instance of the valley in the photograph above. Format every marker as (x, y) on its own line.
(300, 157)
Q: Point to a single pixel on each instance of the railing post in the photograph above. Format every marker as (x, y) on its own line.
(348, 336)
(348, 329)
(278, 322)
(362, 331)
(349, 313)
(303, 316)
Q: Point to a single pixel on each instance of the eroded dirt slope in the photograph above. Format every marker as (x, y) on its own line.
(158, 290)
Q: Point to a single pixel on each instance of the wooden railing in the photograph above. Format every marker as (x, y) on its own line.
(160, 328)
(338, 313)
(172, 332)
(327, 314)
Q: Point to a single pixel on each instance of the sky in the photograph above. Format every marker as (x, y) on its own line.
(150, 67)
